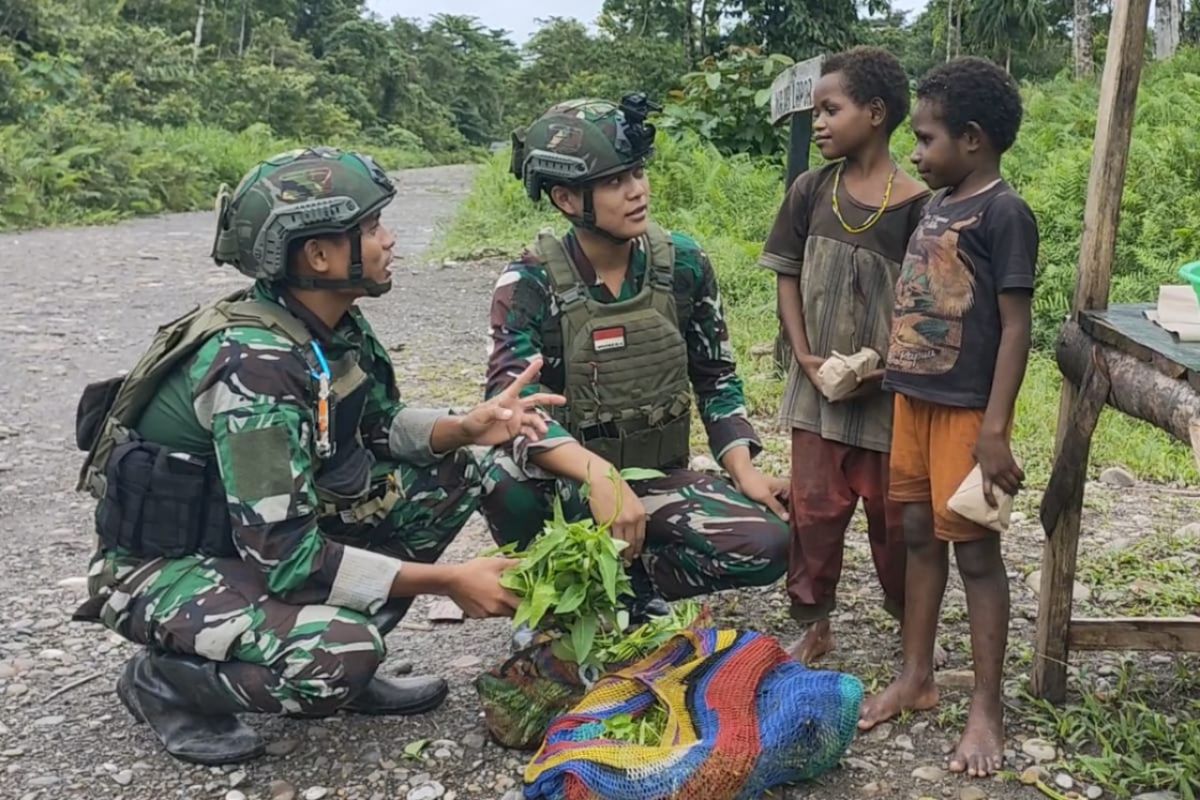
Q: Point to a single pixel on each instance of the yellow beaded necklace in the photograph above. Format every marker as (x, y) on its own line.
(871, 220)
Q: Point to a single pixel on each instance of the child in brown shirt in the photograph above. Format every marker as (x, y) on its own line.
(836, 247)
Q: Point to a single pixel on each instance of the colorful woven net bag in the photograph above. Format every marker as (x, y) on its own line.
(741, 717)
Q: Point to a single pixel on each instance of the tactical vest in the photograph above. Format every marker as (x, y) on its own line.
(158, 503)
(627, 388)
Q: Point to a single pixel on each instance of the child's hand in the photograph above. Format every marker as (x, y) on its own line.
(998, 466)
(810, 364)
(871, 383)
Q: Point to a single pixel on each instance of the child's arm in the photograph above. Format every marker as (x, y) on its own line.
(791, 312)
(993, 450)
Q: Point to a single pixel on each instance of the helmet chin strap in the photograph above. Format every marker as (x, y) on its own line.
(354, 281)
(588, 220)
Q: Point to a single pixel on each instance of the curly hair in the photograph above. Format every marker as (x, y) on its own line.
(871, 72)
(971, 89)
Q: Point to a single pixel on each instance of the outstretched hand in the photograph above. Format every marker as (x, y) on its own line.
(508, 415)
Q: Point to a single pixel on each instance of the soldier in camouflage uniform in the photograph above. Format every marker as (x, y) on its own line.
(274, 419)
(628, 320)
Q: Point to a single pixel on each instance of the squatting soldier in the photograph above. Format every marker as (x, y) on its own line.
(268, 506)
(628, 319)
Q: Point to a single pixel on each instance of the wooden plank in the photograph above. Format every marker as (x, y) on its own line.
(1110, 153)
(1066, 479)
(1106, 180)
(1178, 635)
(1126, 328)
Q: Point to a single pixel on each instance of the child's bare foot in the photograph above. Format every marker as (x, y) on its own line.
(816, 642)
(980, 751)
(904, 694)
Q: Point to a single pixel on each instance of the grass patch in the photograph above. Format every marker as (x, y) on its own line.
(71, 169)
(1141, 737)
(1153, 576)
(728, 204)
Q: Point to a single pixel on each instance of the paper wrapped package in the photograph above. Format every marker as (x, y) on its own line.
(968, 501)
(840, 375)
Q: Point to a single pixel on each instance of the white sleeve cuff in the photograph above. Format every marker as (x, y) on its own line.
(364, 580)
(410, 434)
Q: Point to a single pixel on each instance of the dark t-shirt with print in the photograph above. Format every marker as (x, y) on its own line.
(946, 325)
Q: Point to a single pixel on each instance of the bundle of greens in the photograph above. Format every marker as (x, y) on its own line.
(571, 581)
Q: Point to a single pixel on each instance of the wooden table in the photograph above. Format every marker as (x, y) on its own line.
(1115, 357)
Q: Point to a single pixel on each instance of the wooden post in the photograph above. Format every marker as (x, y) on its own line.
(1110, 157)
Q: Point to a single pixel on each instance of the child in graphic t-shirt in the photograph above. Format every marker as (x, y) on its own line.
(959, 347)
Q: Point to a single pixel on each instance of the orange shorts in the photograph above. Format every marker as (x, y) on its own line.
(932, 454)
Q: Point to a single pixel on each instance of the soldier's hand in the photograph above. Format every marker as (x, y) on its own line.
(508, 414)
(475, 587)
(771, 492)
(624, 508)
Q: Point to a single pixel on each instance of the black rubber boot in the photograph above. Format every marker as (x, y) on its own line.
(399, 696)
(183, 701)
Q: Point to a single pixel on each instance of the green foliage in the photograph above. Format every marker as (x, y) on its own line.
(73, 168)
(1136, 738)
(728, 100)
(566, 61)
(645, 729)
(571, 580)
(1155, 576)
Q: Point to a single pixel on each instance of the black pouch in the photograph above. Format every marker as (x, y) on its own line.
(160, 504)
(93, 407)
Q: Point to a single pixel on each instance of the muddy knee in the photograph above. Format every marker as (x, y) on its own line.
(918, 525)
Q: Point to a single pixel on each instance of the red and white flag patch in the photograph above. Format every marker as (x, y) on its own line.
(608, 339)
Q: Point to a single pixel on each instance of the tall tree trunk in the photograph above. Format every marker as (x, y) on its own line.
(705, 19)
(199, 33)
(1081, 44)
(689, 31)
(1008, 59)
(949, 29)
(1168, 16)
(242, 31)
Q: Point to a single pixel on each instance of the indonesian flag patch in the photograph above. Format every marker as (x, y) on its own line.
(608, 339)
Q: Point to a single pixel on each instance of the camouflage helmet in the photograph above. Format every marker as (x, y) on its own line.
(296, 195)
(580, 141)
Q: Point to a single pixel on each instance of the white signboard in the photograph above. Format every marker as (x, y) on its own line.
(792, 89)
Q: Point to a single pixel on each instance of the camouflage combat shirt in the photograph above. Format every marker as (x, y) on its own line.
(247, 398)
(523, 306)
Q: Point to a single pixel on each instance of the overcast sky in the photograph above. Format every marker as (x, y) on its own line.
(519, 17)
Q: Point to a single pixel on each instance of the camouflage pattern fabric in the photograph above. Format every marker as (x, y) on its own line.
(292, 628)
(281, 657)
(702, 535)
(526, 319)
(578, 141)
(256, 221)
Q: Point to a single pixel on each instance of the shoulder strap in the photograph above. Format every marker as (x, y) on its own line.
(172, 343)
(263, 314)
(661, 253)
(564, 279)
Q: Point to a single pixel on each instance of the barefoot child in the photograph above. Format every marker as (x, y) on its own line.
(836, 247)
(960, 342)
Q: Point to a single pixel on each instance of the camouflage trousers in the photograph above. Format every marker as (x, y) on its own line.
(701, 533)
(278, 657)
